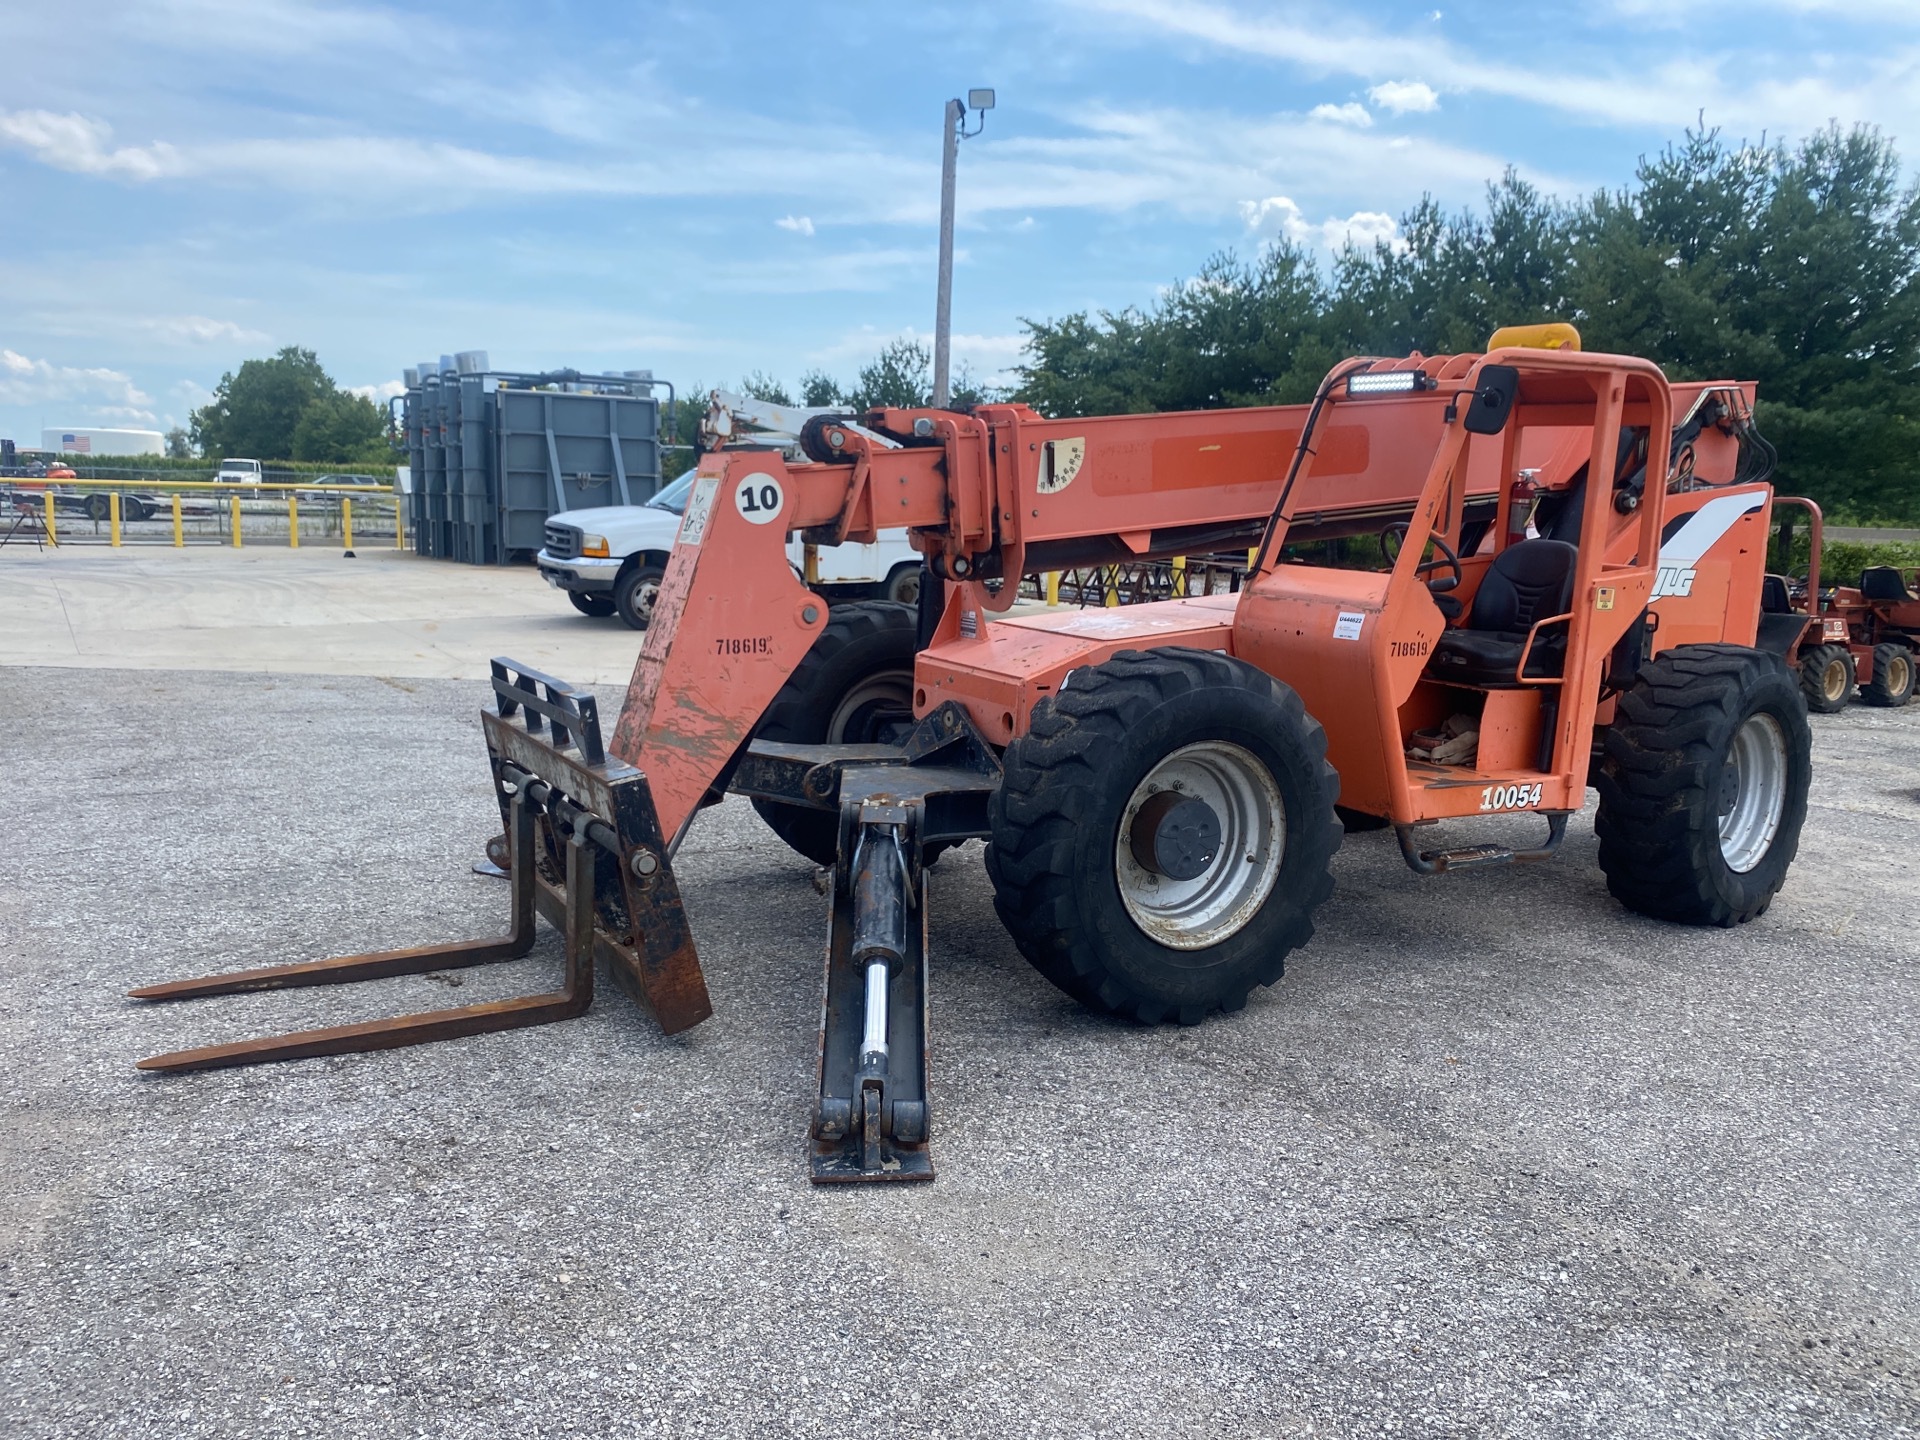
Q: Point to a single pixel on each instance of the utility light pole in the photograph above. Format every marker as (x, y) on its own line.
(954, 131)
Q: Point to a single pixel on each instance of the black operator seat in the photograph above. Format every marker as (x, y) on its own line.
(1526, 583)
(1883, 583)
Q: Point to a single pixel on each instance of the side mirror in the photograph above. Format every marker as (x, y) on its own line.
(1492, 402)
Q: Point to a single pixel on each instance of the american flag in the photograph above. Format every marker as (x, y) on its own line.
(77, 444)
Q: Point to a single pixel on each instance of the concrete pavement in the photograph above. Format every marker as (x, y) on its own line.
(309, 611)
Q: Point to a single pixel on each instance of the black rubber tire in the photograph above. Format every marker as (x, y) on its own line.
(99, 507)
(631, 600)
(1664, 763)
(1826, 689)
(595, 604)
(1057, 813)
(1893, 676)
(868, 642)
(132, 509)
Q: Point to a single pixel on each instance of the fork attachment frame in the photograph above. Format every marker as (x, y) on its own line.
(582, 848)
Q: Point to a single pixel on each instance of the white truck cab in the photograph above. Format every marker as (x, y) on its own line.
(238, 472)
(610, 559)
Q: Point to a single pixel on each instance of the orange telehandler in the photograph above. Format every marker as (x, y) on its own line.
(1572, 599)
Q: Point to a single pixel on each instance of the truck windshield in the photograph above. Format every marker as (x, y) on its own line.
(674, 497)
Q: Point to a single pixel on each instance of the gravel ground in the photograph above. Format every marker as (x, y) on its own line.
(1495, 1159)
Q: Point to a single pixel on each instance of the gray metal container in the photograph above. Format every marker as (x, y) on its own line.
(493, 455)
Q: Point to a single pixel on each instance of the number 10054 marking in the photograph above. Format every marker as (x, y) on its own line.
(1509, 797)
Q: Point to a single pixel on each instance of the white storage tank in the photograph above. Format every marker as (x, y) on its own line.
(93, 440)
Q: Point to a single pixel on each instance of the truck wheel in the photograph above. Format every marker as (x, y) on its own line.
(597, 605)
(1703, 785)
(903, 585)
(855, 687)
(1163, 834)
(132, 509)
(1892, 682)
(99, 507)
(634, 593)
(1826, 674)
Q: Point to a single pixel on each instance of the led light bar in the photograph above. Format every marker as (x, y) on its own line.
(1387, 382)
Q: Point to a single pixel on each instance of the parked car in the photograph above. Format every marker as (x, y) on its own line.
(352, 480)
(610, 559)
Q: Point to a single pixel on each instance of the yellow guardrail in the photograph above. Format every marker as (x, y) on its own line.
(293, 490)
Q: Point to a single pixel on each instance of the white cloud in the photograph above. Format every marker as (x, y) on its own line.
(1760, 89)
(799, 224)
(1405, 96)
(1362, 227)
(104, 394)
(1351, 113)
(202, 330)
(82, 145)
(380, 392)
(1277, 217)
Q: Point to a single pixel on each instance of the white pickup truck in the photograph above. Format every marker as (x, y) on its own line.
(610, 559)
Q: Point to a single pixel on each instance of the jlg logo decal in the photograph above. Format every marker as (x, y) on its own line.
(1673, 580)
(1681, 551)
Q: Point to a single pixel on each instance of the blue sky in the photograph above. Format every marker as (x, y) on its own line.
(706, 190)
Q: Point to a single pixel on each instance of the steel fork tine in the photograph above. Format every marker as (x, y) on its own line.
(377, 964)
(575, 995)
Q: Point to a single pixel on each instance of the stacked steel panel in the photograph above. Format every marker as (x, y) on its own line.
(493, 454)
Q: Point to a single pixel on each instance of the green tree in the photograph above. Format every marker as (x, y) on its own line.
(819, 389)
(340, 428)
(762, 386)
(1235, 334)
(179, 443)
(900, 375)
(1795, 268)
(255, 410)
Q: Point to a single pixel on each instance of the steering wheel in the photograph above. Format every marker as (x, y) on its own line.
(1446, 559)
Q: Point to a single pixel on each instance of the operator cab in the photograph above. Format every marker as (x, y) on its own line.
(1466, 678)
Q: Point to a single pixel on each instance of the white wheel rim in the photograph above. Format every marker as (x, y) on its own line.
(862, 711)
(1754, 792)
(1223, 898)
(644, 595)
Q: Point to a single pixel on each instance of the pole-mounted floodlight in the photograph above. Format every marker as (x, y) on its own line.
(954, 131)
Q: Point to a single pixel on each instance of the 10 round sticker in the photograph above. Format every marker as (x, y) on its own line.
(759, 498)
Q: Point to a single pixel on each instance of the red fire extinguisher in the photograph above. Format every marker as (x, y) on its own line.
(1520, 502)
